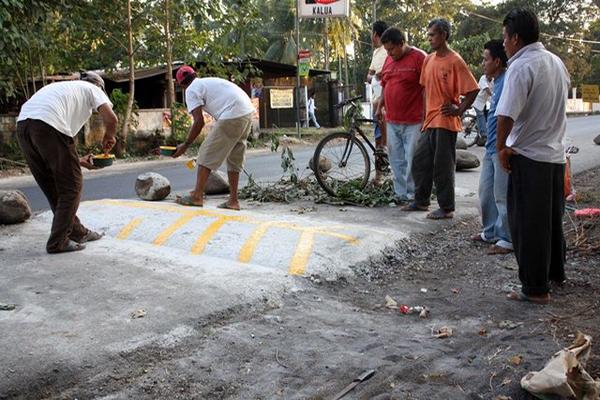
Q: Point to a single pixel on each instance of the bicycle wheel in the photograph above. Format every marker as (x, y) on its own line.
(341, 162)
(469, 133)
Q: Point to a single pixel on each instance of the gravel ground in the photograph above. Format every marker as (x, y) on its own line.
(324, 335)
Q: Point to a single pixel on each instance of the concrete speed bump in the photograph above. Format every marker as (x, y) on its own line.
(290, 243)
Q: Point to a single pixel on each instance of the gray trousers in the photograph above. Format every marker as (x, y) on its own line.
(434, 162)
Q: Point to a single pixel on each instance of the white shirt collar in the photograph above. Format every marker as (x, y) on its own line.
(525, 49)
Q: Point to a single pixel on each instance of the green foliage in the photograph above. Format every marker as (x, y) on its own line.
(119, 100)
(180, 124)
(471, 50)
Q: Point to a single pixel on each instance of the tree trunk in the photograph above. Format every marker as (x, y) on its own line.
(125, 127)
(169, 56)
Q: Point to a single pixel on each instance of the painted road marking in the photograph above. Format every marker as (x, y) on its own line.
(126, 231)
(303, 248)
(208, 234)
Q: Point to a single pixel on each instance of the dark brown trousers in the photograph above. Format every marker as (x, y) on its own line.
(54, 163)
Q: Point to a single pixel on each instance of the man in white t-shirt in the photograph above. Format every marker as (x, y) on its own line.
(232, 110)
(374, 78)
(485, 91)
(46, 126)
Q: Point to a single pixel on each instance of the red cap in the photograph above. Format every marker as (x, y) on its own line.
(183, 73)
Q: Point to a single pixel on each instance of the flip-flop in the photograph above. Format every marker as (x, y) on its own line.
(520, 296)
(71, 246)
(414, 207)
(495, 249)
(228, 207)
(186, 200)
(90, 237)
(477, 238)
(440, 214)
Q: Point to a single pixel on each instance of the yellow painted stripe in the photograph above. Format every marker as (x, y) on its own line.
(350, 239)
(167, 233)
(303, 251)
(127, 229)
(207, 235)
(251, 244)
(171, 208)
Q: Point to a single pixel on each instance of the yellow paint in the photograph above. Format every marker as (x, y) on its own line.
(167, 233)
(251, 244)
(299, 260)
(171, 208)
(303, 251)
(207, 235)
(126, 231)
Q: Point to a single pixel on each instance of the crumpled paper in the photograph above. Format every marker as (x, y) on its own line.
(564, 374)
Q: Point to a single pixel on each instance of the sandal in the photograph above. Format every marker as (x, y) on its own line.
(520, 296)
(440, 214)
(69, 247)
(414, 207)
(478, 238)
(226, 206)
(495, 249)
(187, 200)
(90, 236)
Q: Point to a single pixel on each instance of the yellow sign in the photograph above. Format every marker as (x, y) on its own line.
(282, 98)
(590, 93)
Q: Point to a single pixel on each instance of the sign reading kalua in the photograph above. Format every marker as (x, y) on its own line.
(323, 8)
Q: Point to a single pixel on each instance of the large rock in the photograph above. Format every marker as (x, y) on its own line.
(152, 186)
(14, 207)
(217, 183)
(597, 140)
(461, 144)
(466, 160)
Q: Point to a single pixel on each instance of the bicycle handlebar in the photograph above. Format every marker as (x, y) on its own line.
(351, 100)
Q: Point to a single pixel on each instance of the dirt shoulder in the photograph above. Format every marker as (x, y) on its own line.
(324, 334)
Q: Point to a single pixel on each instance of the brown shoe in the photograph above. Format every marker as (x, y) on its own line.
(498, 250)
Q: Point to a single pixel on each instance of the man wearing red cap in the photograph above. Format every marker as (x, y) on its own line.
(232, 110)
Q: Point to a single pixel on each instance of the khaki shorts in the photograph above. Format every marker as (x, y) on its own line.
(227, 140)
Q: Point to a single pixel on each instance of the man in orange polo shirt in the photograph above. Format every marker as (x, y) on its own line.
(445, 77)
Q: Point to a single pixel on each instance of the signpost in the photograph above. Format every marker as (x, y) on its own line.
(313, 9)
(590, 93)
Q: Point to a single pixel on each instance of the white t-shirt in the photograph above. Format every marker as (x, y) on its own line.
(534, 96)
(65, 106)
(483, 95)
(218, 97)
(379, 56)
(311, 105)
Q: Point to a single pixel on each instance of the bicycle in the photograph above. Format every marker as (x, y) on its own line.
(470, 133)
(341, 160)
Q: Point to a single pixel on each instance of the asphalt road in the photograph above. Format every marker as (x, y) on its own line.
(266, 166)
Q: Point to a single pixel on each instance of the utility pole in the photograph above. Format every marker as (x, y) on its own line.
(298, 72)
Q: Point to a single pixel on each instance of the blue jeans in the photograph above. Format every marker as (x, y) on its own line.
(481, 122)
(313, 119)
(401, 141)
(493, 189)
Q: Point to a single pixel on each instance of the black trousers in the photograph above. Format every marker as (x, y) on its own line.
(536, 206)
(54, 163)
(434, 162)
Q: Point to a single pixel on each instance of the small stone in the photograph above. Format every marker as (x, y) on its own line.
(152, 186)
(7, 307)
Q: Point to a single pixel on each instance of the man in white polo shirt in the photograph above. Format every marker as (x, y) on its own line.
(530, 141)
(46, 126)
(232, 109)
